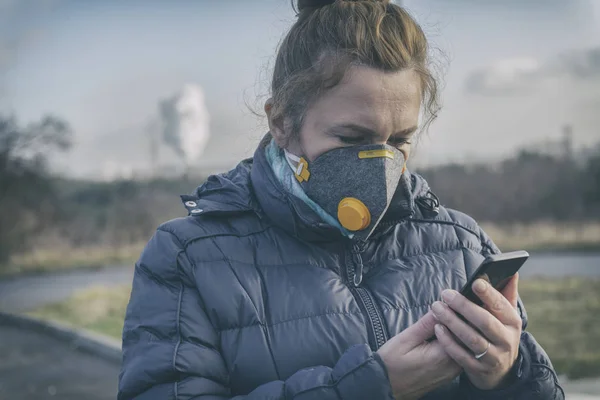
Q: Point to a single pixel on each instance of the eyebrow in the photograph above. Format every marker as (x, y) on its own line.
(369, 132)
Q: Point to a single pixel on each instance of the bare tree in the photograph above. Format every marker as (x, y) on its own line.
(26, 187)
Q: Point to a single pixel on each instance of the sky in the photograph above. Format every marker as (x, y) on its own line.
(514, 73)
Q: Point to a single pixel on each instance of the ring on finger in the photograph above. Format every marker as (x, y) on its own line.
(478, 356)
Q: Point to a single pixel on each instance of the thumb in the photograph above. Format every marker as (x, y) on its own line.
(511, 291)
(417, 333)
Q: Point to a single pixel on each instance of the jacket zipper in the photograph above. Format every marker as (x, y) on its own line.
(365, 299)
(354, 275)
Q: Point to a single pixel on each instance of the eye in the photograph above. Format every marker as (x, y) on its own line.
(399, 142)
(351, 140)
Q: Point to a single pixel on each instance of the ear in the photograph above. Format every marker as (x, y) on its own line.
(276, 125)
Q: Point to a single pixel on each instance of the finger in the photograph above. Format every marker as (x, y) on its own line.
(417, 333)
(511, 290)
(479, 317)
(496, 303)
(465, 333)
(455, 351)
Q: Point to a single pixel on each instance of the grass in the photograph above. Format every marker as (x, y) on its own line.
(99, 309)
(64, 258)
(564, 316)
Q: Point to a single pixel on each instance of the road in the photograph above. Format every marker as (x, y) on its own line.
(36, 366)
(27, 293)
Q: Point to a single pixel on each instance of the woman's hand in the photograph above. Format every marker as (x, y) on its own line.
(414, 366)
(497, 335)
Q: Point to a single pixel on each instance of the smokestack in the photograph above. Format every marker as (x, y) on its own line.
(568, 141)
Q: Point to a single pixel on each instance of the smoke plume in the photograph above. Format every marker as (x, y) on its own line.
(185, 123)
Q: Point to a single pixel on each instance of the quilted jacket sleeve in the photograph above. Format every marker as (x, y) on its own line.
(160, 363)
(535, 375)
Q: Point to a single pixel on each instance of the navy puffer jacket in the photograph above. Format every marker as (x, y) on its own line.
(252, 297)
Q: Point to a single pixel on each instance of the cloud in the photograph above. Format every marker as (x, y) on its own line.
(508, 76)
(528, 75)
(520, 102)
(582, 64)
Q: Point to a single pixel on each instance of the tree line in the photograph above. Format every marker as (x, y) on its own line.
(36, 205)
(528, 187)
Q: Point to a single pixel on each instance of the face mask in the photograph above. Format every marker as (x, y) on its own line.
(354, 184)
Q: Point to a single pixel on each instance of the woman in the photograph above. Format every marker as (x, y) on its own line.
(315, 270)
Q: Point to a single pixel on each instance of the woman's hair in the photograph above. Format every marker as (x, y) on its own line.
(332, 35)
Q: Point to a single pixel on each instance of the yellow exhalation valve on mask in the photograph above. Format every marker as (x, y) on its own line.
(353, 214)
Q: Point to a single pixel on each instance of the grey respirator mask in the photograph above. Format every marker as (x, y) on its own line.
(354, 184)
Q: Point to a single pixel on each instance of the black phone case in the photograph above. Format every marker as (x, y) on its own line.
(497, 271)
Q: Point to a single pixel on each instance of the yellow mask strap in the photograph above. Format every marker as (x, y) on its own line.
(302, 173)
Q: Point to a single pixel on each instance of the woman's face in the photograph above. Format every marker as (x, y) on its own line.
(369, 106)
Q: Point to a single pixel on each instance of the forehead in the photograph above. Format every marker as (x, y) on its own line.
(379, 99)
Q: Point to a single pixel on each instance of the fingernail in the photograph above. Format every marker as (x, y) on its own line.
(448, 295)
(479, 285)
(439, 329)
(438, 308)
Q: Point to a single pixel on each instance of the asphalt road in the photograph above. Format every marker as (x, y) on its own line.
(25, 293)
(35, 366)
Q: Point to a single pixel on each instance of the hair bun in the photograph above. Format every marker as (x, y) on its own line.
(314, 4)
(304, 4)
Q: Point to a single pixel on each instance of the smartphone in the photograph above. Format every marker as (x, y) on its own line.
(496, 269)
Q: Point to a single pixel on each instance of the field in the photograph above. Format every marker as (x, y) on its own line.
(533, 237)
